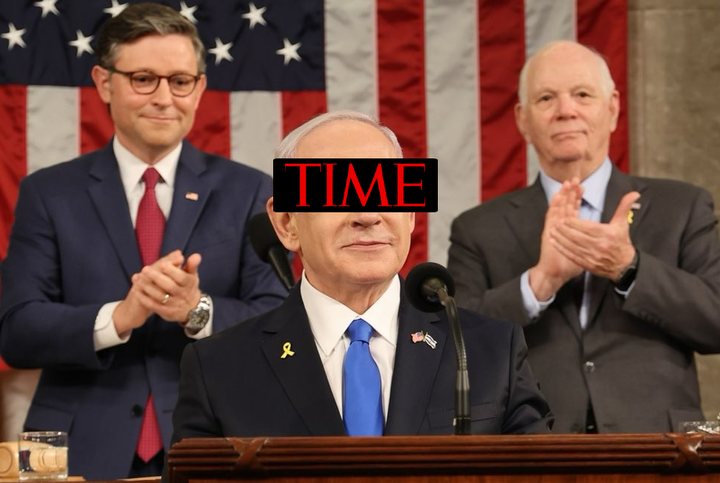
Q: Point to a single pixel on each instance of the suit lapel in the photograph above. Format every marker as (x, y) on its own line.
(528, 219)
(110, 200)
(191, 193)
(301, 375)
(415, 369)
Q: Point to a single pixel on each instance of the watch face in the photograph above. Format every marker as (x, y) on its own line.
(199, 316)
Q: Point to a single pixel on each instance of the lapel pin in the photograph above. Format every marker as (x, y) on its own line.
(631, 214)
(423, 337)
(191, 196)
(287, 351)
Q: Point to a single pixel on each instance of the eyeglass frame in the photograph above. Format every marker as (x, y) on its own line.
(130, 75)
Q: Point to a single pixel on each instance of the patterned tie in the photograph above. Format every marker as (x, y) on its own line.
(362, 398)
(149, 229)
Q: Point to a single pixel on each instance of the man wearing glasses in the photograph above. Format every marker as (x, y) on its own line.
(120, 258)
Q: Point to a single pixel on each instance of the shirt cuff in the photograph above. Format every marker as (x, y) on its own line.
(533, 306)
(104, 333)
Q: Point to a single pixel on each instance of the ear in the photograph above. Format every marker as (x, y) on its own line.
(521, 121)
(614, 106)
(284, 225)
(412, 221)
(101, 78)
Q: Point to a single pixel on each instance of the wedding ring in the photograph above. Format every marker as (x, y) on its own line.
(165, 299)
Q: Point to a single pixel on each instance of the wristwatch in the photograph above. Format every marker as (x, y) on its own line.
(627, 276)
(199, 316)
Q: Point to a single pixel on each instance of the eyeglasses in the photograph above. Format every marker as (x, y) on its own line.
(143, 82)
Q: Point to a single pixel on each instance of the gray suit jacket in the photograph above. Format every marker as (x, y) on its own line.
(635, 359)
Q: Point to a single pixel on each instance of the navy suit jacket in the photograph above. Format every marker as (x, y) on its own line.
(238, 384)
(73, 249)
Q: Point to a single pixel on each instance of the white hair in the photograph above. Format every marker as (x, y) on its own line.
(289, 144)
(607, 84)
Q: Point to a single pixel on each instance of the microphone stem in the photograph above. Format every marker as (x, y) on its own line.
(462, 383)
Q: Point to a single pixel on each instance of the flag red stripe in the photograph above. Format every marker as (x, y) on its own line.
(96, 127)
(299, 106)
(13, 112)
(211, 130)
(501, 42)
(594, 17)
(401, 90)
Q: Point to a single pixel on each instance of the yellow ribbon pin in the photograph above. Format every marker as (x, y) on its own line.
(287, 351)
(630, 217)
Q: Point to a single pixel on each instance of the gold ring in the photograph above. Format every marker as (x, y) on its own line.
(165, 299)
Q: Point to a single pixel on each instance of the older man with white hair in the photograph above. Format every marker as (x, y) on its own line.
(615, 278)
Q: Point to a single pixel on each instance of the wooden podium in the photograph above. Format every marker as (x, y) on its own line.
(615, 458)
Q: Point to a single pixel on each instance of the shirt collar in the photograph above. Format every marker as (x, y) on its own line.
(594, 185)
(329, 319)
(132, 168)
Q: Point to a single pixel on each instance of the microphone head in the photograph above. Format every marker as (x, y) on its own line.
(417, 285)
(262, 235)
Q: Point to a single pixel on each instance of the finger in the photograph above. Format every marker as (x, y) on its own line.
(192, 264)
(621, 213)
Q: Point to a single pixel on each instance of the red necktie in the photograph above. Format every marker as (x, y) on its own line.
(149, 228)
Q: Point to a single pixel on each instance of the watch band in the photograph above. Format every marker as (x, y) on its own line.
(627, 276)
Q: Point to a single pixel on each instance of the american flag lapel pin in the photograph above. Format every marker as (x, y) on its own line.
(421, 336)
(192, 196)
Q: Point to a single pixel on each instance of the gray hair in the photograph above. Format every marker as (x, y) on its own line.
(607, 84)
(289, 144)
(140, 20)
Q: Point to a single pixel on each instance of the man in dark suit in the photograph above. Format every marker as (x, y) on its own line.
(615, 278)
(288, 372)
(93, 305)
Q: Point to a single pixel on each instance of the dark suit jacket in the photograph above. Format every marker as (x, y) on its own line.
(237, 383)
(635, 359)
(73, 249)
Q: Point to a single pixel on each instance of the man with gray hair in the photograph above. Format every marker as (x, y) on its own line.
(615, 278)
(103, 284)
(296, 369)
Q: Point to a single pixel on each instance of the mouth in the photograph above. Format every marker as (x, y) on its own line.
(567, 134)
(367, 245)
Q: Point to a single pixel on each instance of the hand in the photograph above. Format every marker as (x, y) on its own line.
(603, 249)
(554, 268)
(169, 288)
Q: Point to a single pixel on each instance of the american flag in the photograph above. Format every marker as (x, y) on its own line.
(441, 73)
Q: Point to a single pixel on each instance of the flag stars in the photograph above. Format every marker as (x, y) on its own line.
(82, 43)
(48, 6)
(289, 51)
(116, 8)
(188, 12)
(255, 16)
(221, 51)
(14, 36)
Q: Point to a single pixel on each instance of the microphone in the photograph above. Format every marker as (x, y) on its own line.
(268, 247)
(430, 287)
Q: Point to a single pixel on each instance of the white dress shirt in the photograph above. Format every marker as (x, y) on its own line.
(131, 174)
(329, 320)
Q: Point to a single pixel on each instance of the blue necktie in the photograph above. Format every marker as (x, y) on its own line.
(362, 398)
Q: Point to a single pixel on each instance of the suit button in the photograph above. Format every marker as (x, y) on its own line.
(589, 366)
(137, 411)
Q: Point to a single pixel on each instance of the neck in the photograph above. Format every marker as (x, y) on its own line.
(562, 171)
(357, 297)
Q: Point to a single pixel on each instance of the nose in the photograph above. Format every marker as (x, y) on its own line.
(162, 94)
(365, 219)
(566, 107)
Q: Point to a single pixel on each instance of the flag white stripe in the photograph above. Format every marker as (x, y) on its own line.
(53, 124)
(451, 83)
(546, 21)
(351, 56)
(255, 128)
